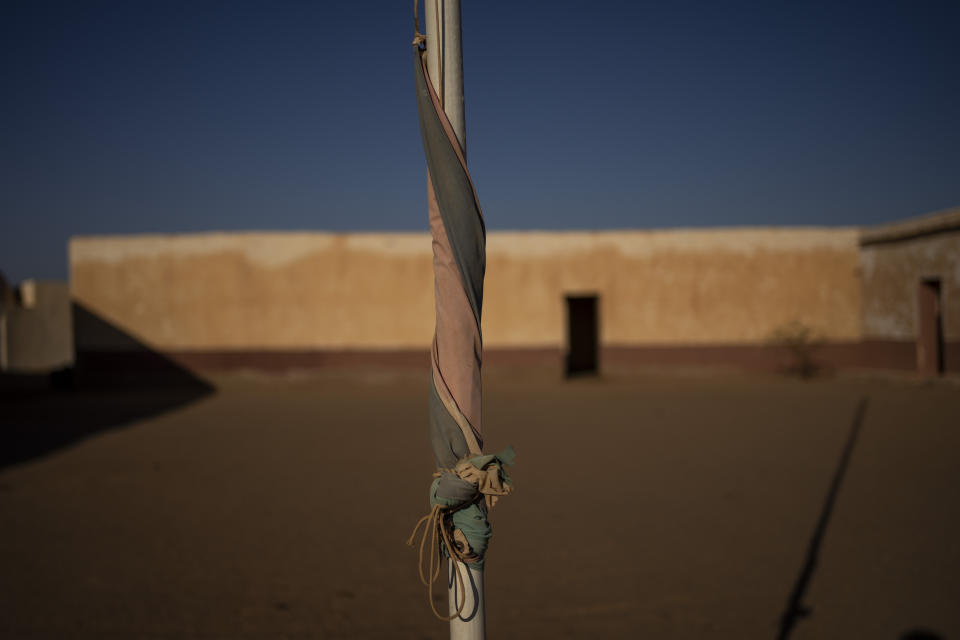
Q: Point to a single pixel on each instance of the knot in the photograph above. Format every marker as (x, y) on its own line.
(457, 523)
(489, 481)
(419, 40)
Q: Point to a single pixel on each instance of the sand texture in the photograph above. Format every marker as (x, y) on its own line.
(647, 506)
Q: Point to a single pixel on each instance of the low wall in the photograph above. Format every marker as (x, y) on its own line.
(38, 336)
(335, 292)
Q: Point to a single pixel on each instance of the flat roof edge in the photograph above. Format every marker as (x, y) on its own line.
(911, 228)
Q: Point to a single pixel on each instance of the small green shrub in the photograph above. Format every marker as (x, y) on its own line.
(801, 343)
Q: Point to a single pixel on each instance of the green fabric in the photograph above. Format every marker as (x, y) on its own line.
(458, 205)
(446, 438)
(503, 458)
(473, 522)
(472, 519)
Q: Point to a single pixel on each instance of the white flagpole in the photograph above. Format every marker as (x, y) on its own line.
(442, 21)
(445, 66)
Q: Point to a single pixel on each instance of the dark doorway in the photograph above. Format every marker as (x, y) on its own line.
(582, 335)
(930, 328)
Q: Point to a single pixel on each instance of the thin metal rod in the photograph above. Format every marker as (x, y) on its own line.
(3, 342)
(432, 31)
(453, 104)
(470, 625)
(445, 61)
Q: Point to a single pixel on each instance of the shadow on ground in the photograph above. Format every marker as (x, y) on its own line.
(116, 381)
(795, 609)
(921, 634)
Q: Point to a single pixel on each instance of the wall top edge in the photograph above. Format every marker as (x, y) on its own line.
(386, 235)
(932, 224)
(280, 248)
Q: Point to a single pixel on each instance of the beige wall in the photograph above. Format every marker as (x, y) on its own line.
(891, 275)
(674, 286)
(360, 291)
(37, 332)
(259, 290)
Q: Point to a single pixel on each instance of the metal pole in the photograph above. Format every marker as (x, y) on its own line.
(445, 66)
(3, 340)
(453, 70)
(471, 624)
(445, 61)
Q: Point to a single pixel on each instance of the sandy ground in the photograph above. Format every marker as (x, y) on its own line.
(648, 506)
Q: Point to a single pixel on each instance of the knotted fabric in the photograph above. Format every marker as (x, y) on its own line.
(457, 524)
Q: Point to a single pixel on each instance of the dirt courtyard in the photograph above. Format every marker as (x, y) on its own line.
(647, 506)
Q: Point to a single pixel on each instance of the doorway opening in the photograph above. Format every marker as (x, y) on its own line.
(929, 328)
(583, 338)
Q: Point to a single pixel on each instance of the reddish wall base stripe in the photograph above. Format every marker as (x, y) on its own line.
(868, 354)
(873, 354)
(291, 360)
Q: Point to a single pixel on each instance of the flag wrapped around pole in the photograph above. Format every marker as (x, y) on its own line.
(467, 482)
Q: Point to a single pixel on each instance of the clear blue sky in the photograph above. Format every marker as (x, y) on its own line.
(166, 116)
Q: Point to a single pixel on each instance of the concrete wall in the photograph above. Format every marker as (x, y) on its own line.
(38, 334)
(894, 259)
(258, 290)
(296, 291)
(674, 287)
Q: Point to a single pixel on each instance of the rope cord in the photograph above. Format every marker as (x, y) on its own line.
(437, 521)
(419, 40)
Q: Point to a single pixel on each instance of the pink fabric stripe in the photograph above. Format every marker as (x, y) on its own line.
(458, 343)
(457, 346)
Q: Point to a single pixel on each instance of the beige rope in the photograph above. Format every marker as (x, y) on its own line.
(437, 522)
(418, 38)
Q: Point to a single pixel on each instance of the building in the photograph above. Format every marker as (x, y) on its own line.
(910, 274)
(36, 334)
(750, 297)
